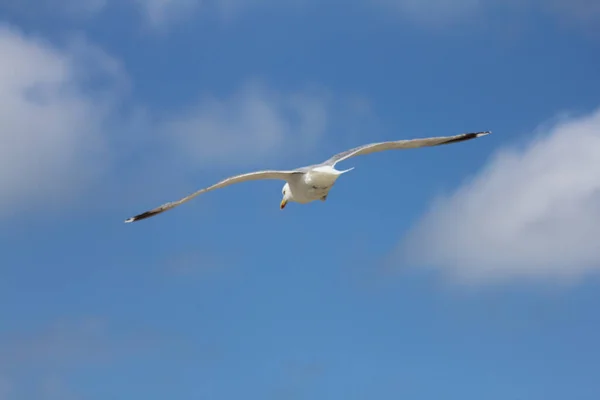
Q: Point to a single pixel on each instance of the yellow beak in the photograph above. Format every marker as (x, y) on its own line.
(283, 203)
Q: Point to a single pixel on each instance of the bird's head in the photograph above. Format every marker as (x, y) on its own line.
(286, 195)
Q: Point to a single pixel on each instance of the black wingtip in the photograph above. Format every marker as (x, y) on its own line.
(468, 136)
(141, 216)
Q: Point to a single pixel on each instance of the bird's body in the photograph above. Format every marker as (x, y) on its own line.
(311, 183)
(314, 184)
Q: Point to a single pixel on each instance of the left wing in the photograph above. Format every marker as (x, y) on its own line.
(402, 144)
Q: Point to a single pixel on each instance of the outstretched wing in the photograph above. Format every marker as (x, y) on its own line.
(252, 176)
(402, 144)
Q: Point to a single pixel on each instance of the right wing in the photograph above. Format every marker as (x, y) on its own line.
(252, 176)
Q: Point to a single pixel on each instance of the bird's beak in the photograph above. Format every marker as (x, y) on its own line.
(283, 203)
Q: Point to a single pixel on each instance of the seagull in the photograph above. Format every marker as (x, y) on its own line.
(307, 184)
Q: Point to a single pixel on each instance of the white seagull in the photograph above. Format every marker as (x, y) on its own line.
(307, 184)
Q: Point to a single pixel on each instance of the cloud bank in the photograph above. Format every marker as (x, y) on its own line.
(532, 212)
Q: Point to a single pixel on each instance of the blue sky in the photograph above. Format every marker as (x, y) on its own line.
(464, 271)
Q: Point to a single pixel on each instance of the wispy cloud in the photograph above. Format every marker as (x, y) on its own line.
(253, 124)
(51, 122)
(532, 212)
(159, 13)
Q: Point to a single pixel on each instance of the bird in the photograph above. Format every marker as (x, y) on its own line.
(311, 183)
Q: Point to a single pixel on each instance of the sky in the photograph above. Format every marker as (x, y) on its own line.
(460, 271)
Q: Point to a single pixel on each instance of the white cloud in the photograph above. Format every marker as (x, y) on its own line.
(253, 124)
(50, 121)
(530, 213)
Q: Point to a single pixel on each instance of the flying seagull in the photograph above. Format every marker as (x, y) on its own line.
(307, 184)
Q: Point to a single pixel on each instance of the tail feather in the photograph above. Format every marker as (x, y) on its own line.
(346, 170)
